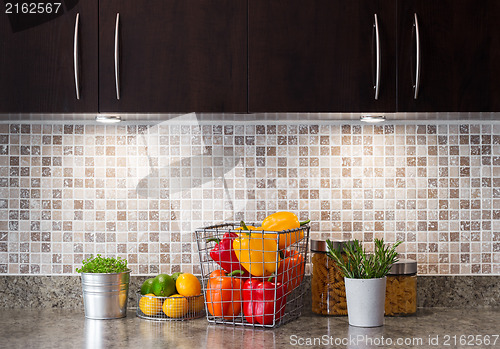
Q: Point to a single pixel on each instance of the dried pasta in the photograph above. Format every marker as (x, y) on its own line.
(327, 287)
(401, 295)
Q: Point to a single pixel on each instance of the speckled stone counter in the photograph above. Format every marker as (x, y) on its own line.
(66, 328)
(66, 291)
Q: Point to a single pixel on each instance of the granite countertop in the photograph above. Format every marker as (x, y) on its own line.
(68, 328)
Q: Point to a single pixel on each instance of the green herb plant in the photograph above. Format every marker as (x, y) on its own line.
(358, 264)
(99, 264)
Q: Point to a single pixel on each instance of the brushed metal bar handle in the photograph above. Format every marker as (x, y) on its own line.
(76, 62)
(377, 47)
(117, 56)
(416, 87)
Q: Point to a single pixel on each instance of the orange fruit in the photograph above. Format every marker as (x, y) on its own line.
(188, 285)
(175, 306)
(149, 304)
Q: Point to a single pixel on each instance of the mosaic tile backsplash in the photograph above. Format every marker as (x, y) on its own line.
(139, 191)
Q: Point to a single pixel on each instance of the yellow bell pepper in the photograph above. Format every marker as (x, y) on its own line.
(257, 252)
(284, 221)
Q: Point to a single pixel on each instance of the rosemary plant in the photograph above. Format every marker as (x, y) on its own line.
(357, 264)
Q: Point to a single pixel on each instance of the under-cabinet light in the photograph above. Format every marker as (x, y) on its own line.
(108, 119)
(372, 118)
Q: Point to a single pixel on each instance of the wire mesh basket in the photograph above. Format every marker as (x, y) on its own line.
(269, 291)
(176, 308)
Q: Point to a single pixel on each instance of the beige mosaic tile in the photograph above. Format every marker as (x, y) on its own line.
(139, 191)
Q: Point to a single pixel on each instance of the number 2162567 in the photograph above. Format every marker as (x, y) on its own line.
(32, 7)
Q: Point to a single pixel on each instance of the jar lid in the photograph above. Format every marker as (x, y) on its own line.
(404, 267)
(321, 246)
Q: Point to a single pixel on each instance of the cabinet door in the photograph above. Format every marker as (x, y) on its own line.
(37, 55)
(173, 55)
(320, 55)
(459, 46)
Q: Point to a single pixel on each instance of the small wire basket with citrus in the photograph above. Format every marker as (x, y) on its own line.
(176, 297)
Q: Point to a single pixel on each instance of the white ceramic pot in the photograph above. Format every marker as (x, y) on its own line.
(365, 301)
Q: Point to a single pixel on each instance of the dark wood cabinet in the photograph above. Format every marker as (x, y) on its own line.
(252, 56)
(173, 56)
(459, 47)
(459, 55)
(321, 55)
(37, 59)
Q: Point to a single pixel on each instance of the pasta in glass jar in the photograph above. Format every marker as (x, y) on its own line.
(327, 281)
(401, 289)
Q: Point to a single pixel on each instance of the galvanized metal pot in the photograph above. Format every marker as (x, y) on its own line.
(105, 295)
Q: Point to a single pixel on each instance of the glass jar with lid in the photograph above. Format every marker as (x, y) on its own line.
(327, 281)
(401, 289)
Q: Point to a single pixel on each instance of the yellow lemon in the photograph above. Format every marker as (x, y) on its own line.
(149, 304)
(188, 285)
(175, 306)
(196, 304)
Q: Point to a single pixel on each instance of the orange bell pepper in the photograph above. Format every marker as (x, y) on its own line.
(291, 271)
(223, 295)
(284, 221)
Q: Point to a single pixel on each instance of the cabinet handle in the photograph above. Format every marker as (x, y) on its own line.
(416, 87)
(117, 56)
(76, 50)
(377, 48)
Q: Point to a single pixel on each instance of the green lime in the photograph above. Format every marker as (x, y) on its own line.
(163, 285)
(147, 286)
(176, 275)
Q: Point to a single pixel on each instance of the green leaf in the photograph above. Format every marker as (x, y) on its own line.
(358, 264)
(99, 264)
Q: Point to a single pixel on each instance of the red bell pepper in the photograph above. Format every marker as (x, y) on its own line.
(291, 271)
(263, 301)
(223, 254)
